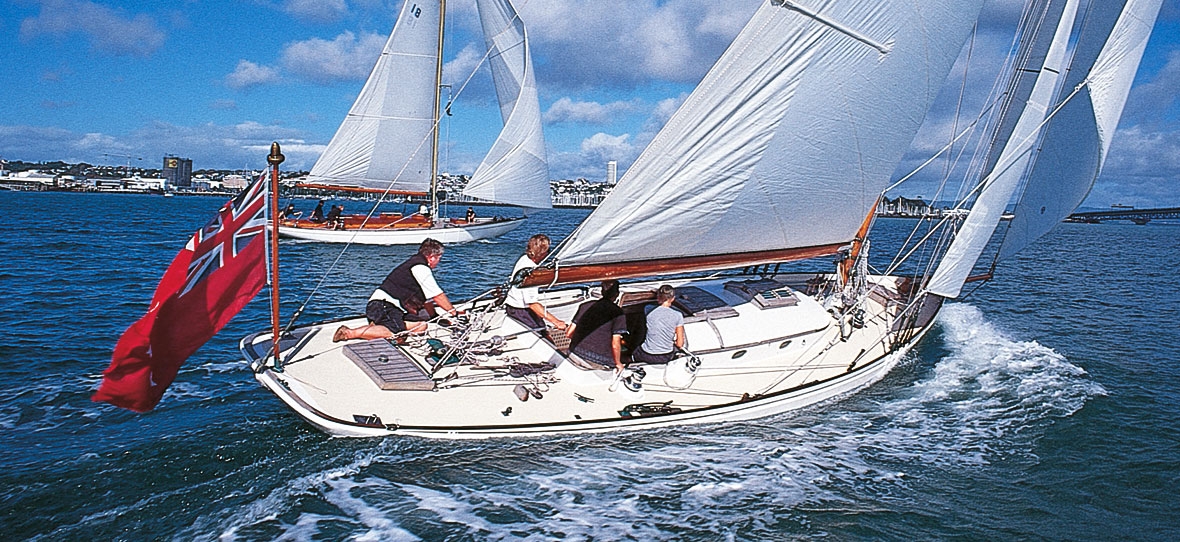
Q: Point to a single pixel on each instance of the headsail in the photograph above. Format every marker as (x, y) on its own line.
(1031, 92)
(788, 140)
(386, 137)
(1073, 150)
(515, 170)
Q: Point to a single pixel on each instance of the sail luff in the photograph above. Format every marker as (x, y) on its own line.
(793, 134)
(1073, 150)
(438, 69)
(385, 140)
(1034, 87)
(515, 170)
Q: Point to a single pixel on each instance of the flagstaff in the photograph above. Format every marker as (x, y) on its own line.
(274, 159)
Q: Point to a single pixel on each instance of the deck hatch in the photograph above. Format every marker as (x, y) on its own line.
(389, 367)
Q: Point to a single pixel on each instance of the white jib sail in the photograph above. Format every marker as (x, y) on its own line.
(515, 170)
(1035, 88)
(1106, 57)
(790, 137)
(385, 141)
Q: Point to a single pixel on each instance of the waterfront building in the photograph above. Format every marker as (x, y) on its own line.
(178, 171)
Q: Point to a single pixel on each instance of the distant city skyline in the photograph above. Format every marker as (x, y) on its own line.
(96, 82)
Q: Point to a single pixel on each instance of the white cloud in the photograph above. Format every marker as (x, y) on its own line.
(248, 74)
(567, 110)
(660, 115)
(457, 70)
(582, 43)
(345, 58)
(1149, 102)
(109, 30)
(316, 11)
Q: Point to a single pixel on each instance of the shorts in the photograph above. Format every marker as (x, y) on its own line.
(642, 356)
(384, 313)
(526, 317)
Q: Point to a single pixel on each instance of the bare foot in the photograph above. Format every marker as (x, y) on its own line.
(340, 335)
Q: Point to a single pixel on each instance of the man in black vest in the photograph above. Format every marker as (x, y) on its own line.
(405, 298)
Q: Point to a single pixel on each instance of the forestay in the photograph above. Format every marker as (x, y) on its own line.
(1033, 89)
(515, 170)
(790, 137)
(1106, 57)
(386, 137)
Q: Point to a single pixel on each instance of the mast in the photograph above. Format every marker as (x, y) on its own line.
(442, 23)
(274, 159)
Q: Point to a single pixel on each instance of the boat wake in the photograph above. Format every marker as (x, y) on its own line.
(974, 397)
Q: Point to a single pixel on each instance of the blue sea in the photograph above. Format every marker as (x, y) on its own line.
(1044, 406)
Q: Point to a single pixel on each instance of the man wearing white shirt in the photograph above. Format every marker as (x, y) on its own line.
(400, 303)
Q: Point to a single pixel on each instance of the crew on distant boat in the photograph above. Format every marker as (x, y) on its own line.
(665, 330)
(289, 211)
(522, 303)
(400, 303)
(596, 333)
(317, 214)
(334, 220)
(470, 215)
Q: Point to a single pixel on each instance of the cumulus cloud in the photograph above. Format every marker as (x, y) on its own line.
(581, 43)
(567, 110)
(212, 145)
(316, 11)
(33, 143)
(1149, 101)
(457, 70)
(209, 145)
(345, 58)
(109, 30)
(590, 160)
(662, 112)
(1142, 169)
(248, 74)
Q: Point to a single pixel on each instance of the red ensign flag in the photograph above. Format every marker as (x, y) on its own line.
(220, 269)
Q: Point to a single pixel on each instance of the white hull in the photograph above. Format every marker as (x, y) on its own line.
(778, 359)
(445, 233)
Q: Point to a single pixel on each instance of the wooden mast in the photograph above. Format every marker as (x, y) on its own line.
(858, 242)
(442, 18)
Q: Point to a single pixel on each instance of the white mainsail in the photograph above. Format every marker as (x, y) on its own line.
(1034, 88)
(386, 137)
(1076, 140)
(790, 137)
(515, 170)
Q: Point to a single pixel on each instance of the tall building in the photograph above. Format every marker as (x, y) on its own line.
(612, 172)
(178, 171)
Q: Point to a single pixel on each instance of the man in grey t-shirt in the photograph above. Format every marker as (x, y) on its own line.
(665, 330)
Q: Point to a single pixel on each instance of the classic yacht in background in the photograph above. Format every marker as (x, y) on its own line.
(388, 143)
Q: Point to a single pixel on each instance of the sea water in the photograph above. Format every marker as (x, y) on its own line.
(1045, 405)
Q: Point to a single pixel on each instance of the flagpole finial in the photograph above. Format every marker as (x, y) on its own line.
(276, 156)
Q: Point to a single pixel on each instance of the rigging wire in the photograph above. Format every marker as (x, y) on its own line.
(438, 118)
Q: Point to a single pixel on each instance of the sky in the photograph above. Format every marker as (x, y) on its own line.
(216, 81)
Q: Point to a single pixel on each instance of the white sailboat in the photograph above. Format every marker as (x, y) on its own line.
(388, 143)
(779, 155)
